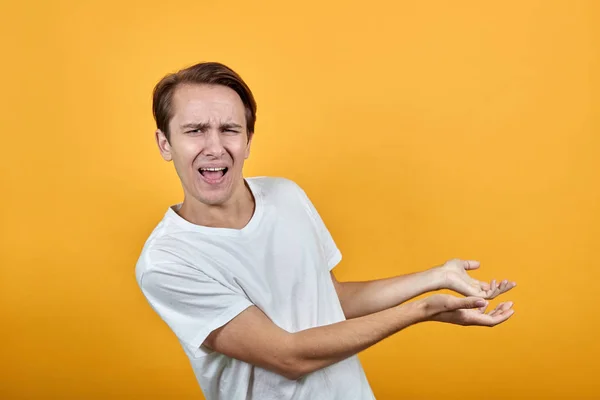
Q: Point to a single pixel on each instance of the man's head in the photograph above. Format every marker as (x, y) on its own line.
(205, 117)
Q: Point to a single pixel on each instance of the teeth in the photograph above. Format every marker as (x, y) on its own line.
(213, 169)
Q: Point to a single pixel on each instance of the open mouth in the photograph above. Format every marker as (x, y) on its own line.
(213, 175)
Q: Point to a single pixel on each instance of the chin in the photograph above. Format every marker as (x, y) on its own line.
(213, 200)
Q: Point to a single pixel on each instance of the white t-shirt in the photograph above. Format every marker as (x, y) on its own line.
(198, 278)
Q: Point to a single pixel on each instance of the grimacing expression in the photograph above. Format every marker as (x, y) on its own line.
(208, 141)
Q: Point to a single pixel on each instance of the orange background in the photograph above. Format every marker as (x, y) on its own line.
(422, 131)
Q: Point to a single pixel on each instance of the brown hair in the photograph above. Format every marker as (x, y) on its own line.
(207, 73)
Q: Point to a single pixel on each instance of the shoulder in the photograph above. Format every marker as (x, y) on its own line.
(274, 184)
(164, 250)
(277, 189)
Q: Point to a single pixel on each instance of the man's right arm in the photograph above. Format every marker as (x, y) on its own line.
(252, 337)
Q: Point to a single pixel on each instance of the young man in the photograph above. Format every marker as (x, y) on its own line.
(241, 269)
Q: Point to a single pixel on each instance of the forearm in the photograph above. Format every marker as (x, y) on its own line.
(363, 298)
(319, 347)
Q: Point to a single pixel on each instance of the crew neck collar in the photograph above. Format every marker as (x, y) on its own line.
(247, 229)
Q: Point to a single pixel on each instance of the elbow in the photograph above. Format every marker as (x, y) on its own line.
(291, 375)
(294, 370)
(293, 366)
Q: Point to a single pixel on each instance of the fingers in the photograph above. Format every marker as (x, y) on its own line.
(493, 289)
(474, 317)
(489, 320)
(467, 302)
(471, 264)
(439, 303)
(506, 286)
(488, 289)
(496, 288)
(496, 310)
(500, 314)
(482, 309)
(501, 308)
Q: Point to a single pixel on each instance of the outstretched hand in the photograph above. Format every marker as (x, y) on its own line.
(466, 311)
(477, 316)
(455, 277)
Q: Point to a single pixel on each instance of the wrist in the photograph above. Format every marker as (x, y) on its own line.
(417, 310)
(437, 278)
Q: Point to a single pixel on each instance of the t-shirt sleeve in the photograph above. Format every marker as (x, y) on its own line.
(330, 248)
(191, 303)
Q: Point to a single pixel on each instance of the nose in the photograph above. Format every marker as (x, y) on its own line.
(213, 146)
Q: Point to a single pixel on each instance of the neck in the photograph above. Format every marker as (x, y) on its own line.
(235, 214)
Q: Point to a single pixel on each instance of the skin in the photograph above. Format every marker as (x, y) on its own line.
(223, 140)
(362, 298)
(374, 310)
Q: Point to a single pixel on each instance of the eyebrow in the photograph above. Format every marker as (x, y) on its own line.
(206, 125)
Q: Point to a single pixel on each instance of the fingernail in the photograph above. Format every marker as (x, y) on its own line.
(480, 303)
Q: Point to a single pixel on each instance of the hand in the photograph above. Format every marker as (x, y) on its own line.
(439, 303)
(477, 316)
(455, 277)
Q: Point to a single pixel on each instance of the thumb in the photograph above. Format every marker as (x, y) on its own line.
(471, 264)
(467, 302)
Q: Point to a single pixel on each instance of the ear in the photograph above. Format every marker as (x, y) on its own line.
(163, 145)
(247, 154)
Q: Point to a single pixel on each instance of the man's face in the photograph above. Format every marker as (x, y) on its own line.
(208, 141)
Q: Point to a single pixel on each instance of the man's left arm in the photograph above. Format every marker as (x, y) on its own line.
(363, 298)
